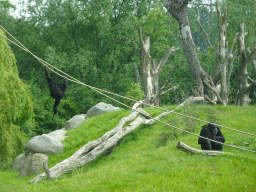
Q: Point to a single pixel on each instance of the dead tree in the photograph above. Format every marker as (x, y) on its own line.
(245, 56)
(179, 10)
(219, 82)
(151, 71)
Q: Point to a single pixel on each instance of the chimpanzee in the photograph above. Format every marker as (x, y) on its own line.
(213, 132)
(57, 90)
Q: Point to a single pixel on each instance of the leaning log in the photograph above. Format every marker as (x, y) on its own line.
(187, 149)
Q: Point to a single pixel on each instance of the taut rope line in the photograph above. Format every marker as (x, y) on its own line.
(99, 91)
(94, 88)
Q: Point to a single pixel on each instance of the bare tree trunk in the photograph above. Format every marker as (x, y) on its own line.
(151, 72)
(224, 62)
(179, 10)
(243, 85)
(223, 53)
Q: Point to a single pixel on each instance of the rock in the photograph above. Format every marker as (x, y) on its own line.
(100, 108)
(59, 134)
(37, 163)
(29, 164)
(43, 144)
(75, 122)
(25, 168)
(18, 162)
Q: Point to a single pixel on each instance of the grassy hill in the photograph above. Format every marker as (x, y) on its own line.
(147, 159)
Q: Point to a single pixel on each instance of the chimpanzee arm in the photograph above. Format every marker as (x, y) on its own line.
(203, 134)
(65, 80)
(48, 77)
(220, 136)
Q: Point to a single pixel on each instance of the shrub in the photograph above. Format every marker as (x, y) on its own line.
(16, 108)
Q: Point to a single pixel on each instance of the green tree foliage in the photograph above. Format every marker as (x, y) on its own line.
(16, 107)
(133, 92)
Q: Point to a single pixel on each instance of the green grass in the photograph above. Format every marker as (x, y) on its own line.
(147, 158)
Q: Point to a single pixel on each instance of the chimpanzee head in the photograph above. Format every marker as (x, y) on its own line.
(213, 128)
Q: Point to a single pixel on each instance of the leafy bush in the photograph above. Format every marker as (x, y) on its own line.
(16, 108)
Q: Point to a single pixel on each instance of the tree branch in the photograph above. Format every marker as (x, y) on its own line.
(136, 48)
(164, 60)
(251, 57)
(208, 39)
(215, 91)
(140, 36)
(189, 101)
(171, 89)
(170, 75)
(232, 47)
(208, 99)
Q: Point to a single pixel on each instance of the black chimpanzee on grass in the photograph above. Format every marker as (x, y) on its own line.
(57, 90)
(213, 132)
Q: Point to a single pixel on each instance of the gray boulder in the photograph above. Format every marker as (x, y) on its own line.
(24, 170)
(59, 134)
(43, 144)
(29, 164)
(100, 108)
(37, 163)
(75, 121)
(18, 162)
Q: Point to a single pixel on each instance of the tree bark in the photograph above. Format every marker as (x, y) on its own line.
(179, 10)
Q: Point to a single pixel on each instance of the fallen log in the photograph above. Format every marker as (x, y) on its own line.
(93, 149)
(187, 149)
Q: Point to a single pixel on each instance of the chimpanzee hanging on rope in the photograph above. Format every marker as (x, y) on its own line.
(57, 90)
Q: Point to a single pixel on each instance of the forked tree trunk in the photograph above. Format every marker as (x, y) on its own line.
(179, 10)
(151, 71)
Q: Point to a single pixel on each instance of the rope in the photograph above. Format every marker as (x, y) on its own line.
(46, 64)
(94, 88)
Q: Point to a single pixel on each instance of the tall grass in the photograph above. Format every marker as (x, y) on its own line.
(147, 158)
